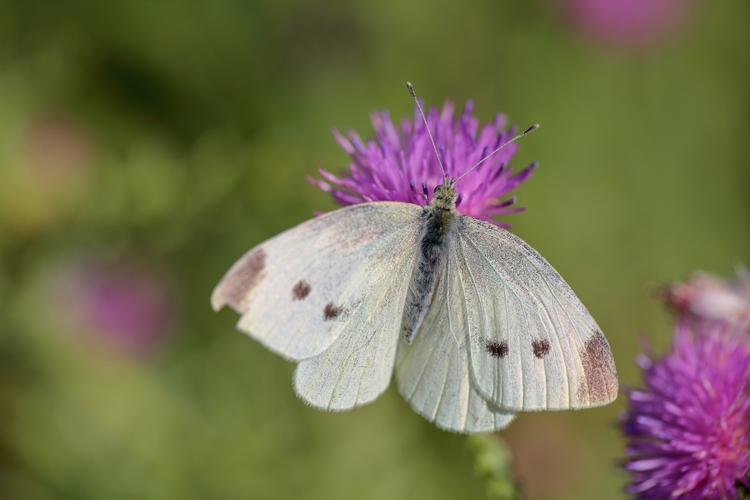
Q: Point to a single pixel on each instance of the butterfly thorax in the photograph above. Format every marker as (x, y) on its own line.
(438, 220)
(439, 214)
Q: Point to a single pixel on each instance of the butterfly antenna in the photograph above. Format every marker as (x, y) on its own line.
(424, 119)
(527, 131)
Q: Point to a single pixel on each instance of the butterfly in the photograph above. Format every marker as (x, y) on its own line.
(476, 324)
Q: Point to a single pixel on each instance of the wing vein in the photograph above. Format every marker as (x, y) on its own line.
(573, 323)
(466, 308)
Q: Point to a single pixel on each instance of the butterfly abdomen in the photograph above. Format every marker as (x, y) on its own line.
(432, 250)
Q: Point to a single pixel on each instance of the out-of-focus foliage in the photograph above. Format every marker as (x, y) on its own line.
(145, 146)
(493, 465)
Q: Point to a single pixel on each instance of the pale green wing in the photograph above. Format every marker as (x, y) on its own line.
(298, 291)
(533, 344)
(433, 372)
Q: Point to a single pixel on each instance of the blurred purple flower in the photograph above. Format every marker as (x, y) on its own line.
(711, 297)
(688, 429)
(129, 307)
(630, 24)
(400, 165)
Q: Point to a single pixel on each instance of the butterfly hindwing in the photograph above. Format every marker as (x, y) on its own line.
(433, 372)
(357, 367)
(298, 291)
(532, 343)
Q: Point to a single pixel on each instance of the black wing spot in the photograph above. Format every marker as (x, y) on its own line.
(331, 311)
(497, 349)
(541, 347)
(301, 290)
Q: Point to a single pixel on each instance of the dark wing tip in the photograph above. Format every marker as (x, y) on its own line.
(599, 382)
(239, 281)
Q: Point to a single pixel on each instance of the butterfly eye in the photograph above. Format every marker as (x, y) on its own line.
(459, 199)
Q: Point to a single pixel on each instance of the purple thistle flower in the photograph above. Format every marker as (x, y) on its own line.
(628, 24)
(688, 429)
(400, 164)
(711, 297)
(128, 306)
(131, 307)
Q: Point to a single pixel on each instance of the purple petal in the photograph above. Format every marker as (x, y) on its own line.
(398, 158)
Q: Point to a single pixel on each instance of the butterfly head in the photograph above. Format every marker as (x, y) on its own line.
(445, 195)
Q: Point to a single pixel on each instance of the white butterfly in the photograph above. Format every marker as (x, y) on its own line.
(477, 324)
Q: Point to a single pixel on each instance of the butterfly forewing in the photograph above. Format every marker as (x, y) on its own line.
(433, 372)
(532, 343)
(298, 291)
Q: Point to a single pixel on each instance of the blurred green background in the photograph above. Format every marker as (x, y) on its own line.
(144, 146)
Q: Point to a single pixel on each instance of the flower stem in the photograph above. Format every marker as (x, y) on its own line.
(492, 463)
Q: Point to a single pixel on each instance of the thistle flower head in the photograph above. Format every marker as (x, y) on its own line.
(711, 297)
(399, 164)
(628, 24)
(688, 429)
(130, 306)
(127, 306)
